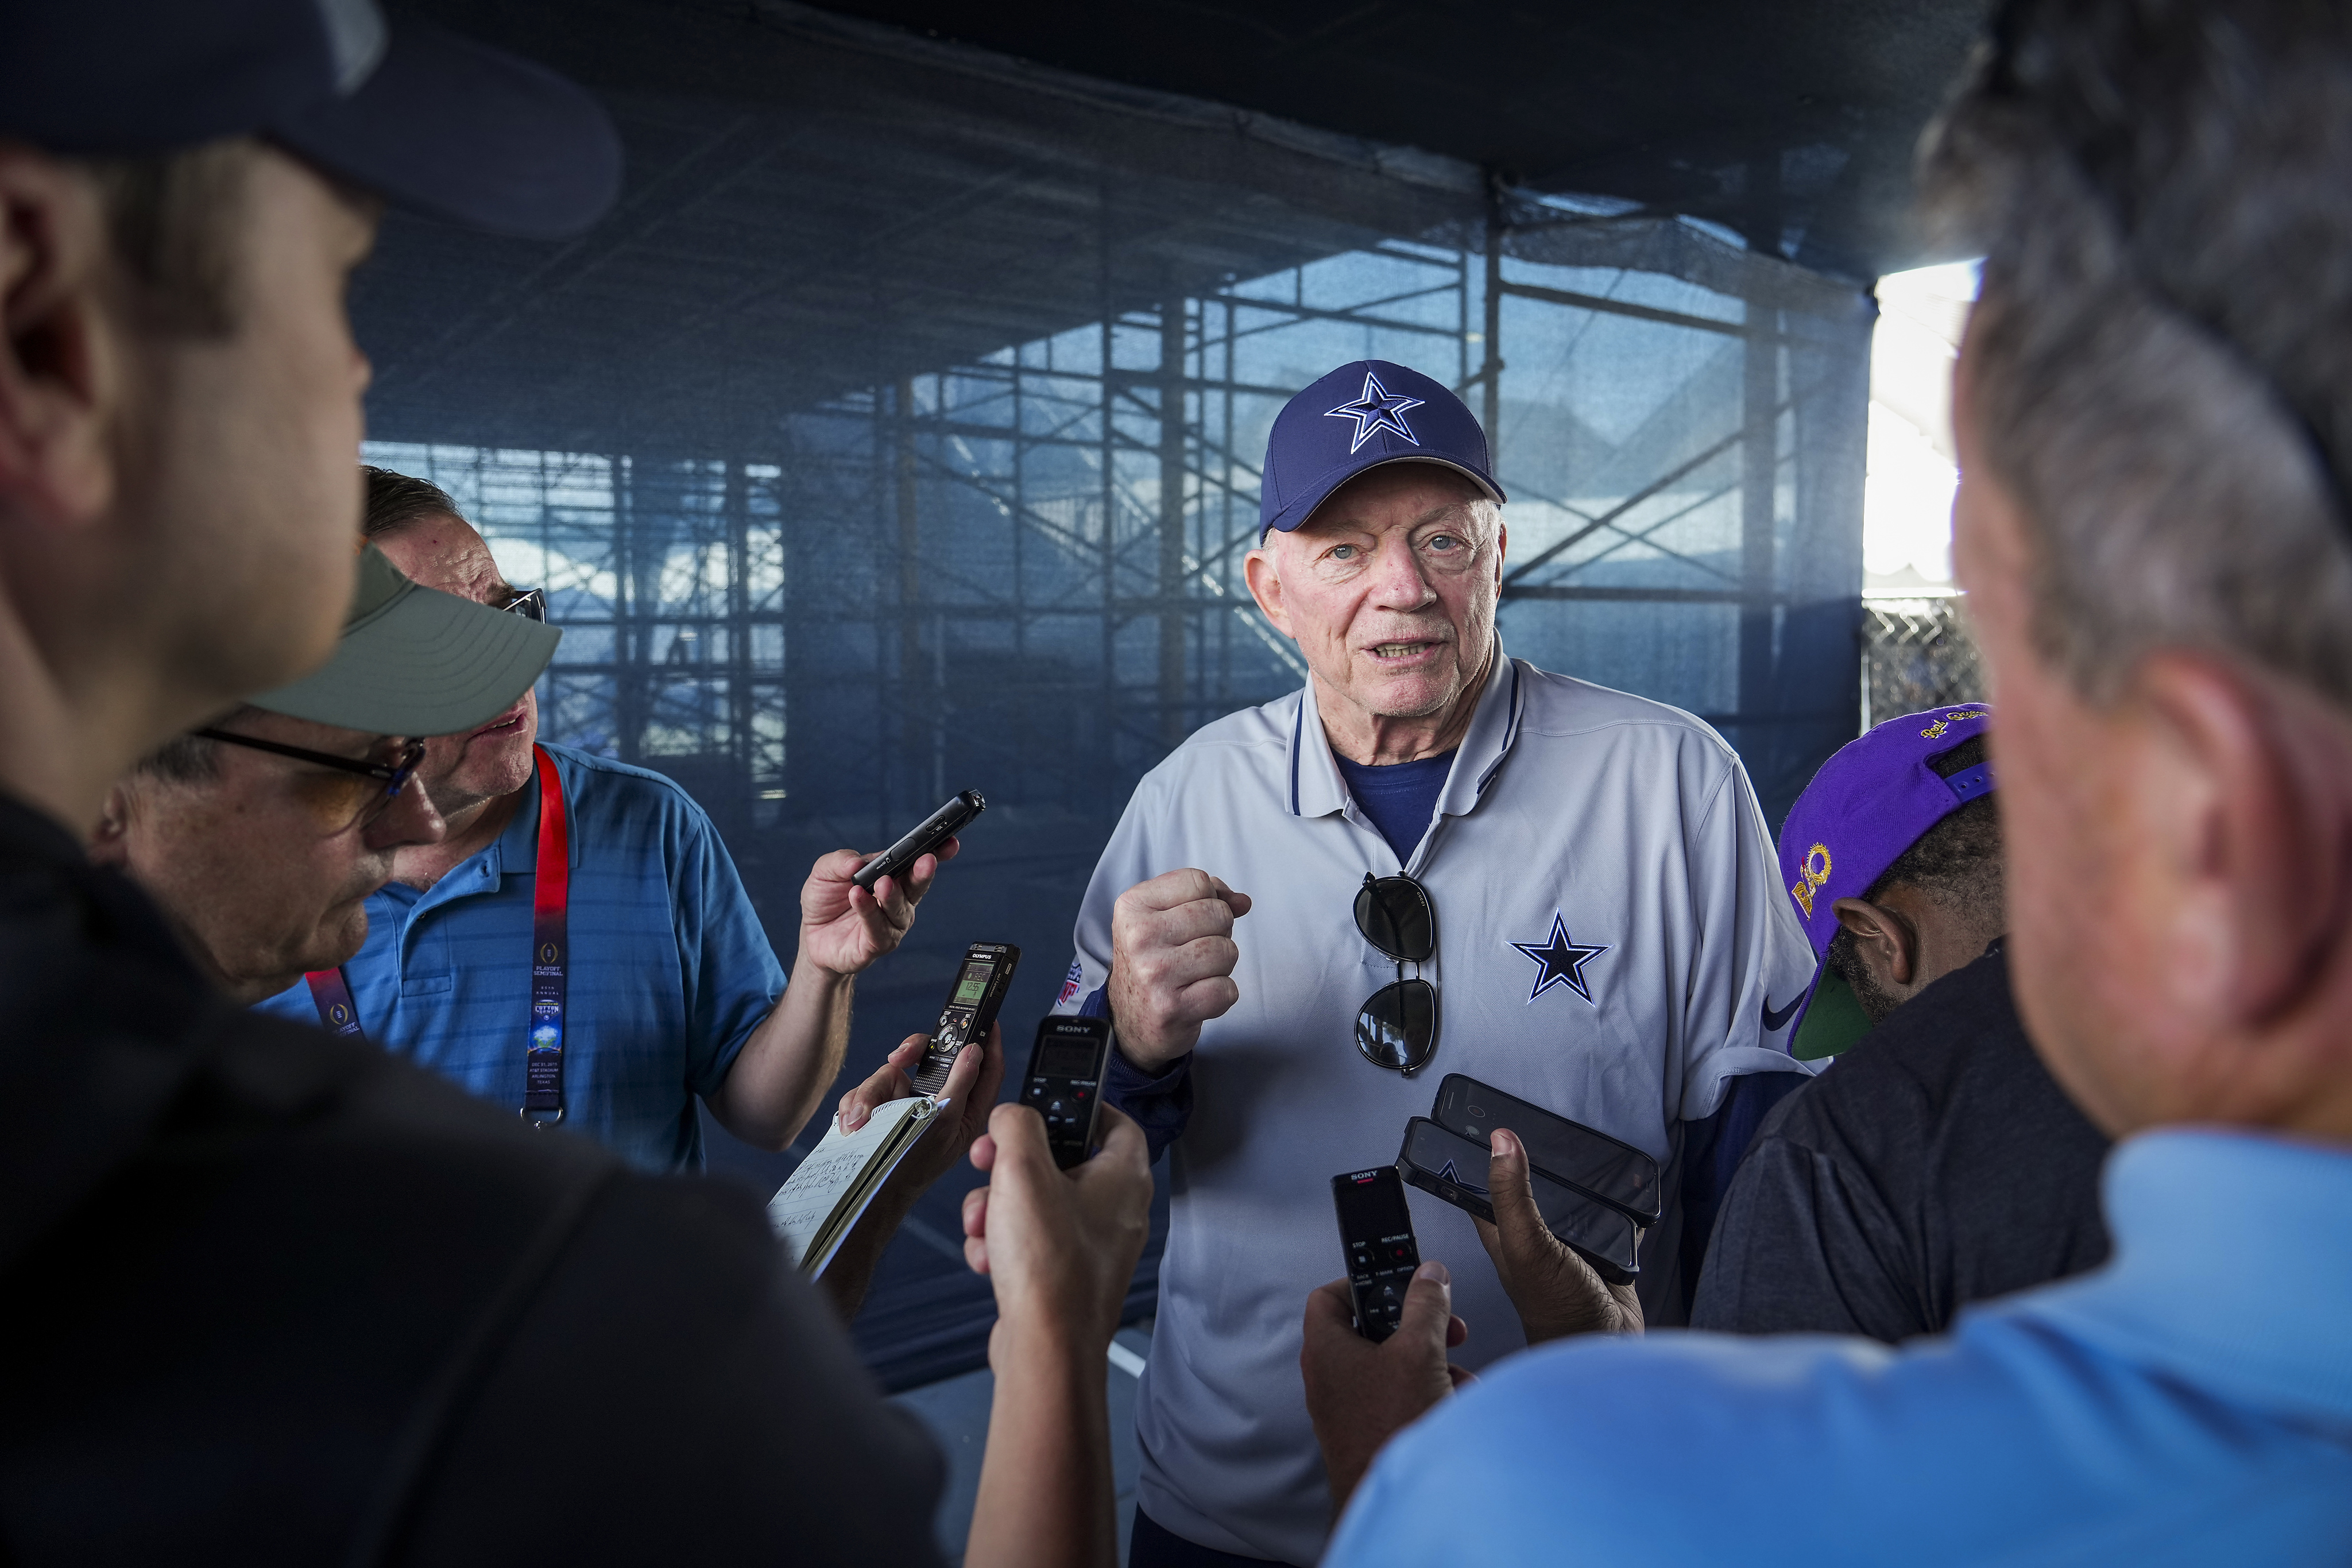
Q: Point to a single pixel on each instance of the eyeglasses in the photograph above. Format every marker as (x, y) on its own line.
(340, 804)
(530, 603)
(1397, 1026)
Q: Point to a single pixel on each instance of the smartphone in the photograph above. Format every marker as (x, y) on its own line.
(1064, 1086)
(928, 835)
(979, 990)
(1616, 1173)
(1445, 1163)
(1375, 1233)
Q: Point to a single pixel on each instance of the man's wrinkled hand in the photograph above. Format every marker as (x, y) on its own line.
(1556, 1291)
(1059, 1247)
(844, 927)
(1359, 1393)
(1172, 966)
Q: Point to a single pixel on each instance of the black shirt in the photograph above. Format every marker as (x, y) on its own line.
(1936, 1163)
(273, 1297)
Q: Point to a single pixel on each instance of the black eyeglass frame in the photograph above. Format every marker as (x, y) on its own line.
(530, 603)
(395, 775)
(1397, 1026)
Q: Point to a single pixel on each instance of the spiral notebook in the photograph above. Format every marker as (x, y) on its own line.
(816, 1210)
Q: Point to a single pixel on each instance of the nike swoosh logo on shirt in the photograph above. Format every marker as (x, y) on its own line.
(1775, 1022)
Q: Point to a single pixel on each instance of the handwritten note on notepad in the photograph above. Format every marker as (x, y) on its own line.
(816, 1210)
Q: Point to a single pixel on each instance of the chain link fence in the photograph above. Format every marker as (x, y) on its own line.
(1917, 653)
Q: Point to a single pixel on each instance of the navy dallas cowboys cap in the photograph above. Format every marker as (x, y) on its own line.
(429, 120)
(1363, 414)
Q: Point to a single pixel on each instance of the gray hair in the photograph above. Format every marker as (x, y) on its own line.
(189, 758)
(2161, 365)
(394, 500)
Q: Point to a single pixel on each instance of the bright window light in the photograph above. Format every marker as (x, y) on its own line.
(1907, 507)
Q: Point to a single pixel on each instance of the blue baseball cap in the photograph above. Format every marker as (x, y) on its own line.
(1862, 811)
(427, 119)
(1365, 414)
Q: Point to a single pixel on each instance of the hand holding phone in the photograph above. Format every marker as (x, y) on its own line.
(1584, 1157)
(1556, 1291)
(1443, 1163)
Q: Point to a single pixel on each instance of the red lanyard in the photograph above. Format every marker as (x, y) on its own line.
(542, 1101)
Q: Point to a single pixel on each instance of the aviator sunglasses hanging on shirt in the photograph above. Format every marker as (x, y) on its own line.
(1397, 1026)
(542, 1100)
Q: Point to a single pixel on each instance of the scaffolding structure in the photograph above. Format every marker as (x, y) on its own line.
(1026, 570)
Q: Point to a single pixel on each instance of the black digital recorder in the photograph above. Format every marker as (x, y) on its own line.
(930, 834)
(980, 987)
(1064, 1084)
(1375, 1233)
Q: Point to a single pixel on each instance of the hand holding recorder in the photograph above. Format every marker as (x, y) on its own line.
(844, 927)
(1059, 1247)
(1360, 1392)
(1171, 967)
(1556, 1293)
(970, 1091)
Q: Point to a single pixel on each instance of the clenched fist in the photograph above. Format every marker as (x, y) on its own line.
(1172, 966)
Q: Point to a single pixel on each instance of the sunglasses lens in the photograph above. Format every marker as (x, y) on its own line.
(1394, 916)
(1398, 1027)
(532, 605)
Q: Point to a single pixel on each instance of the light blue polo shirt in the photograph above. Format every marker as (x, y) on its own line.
(670, 969)
(2190, 1404)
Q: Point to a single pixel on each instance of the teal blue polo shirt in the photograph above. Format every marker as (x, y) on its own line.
(671, 968)
(2187, 1406)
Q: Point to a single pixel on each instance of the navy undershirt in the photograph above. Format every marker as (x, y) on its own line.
(1400, 797)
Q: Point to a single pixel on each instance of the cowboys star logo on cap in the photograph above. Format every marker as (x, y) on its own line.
(1376, 409)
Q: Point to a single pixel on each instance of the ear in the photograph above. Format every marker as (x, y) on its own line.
(1884, 937)
(110, 843)
(2244, 792)
(58, 373)
(1264, 579)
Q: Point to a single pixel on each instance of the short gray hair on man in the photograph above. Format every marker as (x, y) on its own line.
(2162, 363)
(190, 759)
(395, 499)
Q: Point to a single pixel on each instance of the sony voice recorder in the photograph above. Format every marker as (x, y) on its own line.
(1375, 1233)
(970, 1008)
(930, 834)
(1065, 1074)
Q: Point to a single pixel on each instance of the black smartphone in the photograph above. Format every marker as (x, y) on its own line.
(930, 834)
(1448, 1165)
(1616, 1173)
(1375, 1233)
(979, 991)
(1064, 1086)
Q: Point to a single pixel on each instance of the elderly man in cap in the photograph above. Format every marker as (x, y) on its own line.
(2154, 410)
(263, 833)
(1433, 859)
(273, 1296)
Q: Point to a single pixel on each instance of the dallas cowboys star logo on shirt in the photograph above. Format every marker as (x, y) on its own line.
(1560, 962)
(1377, 410)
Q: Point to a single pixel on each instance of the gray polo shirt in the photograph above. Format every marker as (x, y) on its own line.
(1610, 933)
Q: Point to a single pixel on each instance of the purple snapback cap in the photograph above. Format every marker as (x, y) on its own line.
(1869, 804)
(1362, 415)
